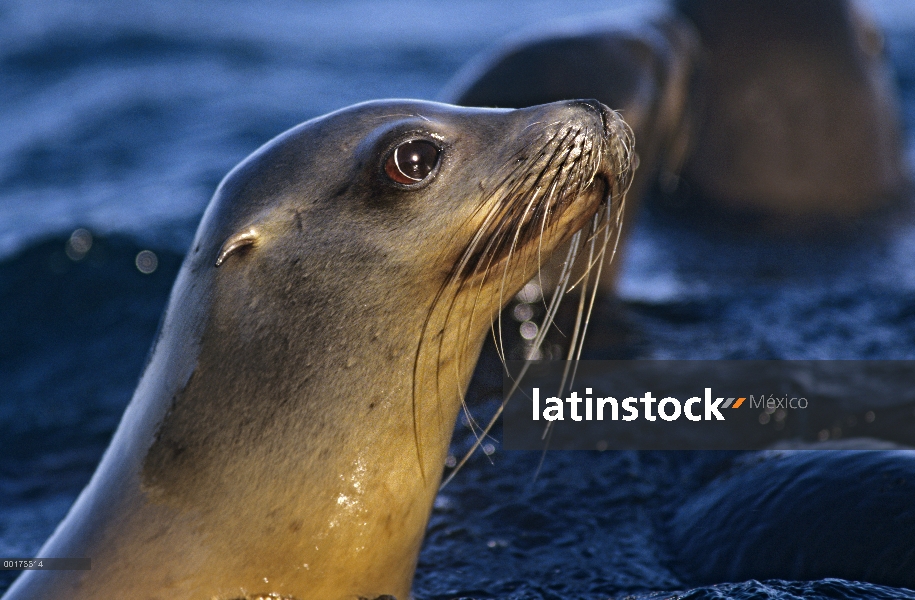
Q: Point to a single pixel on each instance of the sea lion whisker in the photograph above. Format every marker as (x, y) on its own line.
(521, 161)
(451, 281)
(469, 250)
(494, 240)
(519, 188)
(600, 221)
(562, 285)
(576, 329)
(388, 116)
(601, 224)
(579, 328)
(583, 316)
(600, 265)
(557, 166)
(497, 207)
(540, 257)
(574, 350)
(562, 193)
(482, 230)
(553, 193)
(483, 432)
(612, 231)
(532, 124)
(518, 230)
(548, 319)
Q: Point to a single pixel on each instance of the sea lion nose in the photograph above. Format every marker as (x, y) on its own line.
(595, 106)
(610, 119)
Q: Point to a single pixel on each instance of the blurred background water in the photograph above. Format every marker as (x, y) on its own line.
(118, 120)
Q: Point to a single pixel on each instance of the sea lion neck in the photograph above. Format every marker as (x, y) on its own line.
(310, 383)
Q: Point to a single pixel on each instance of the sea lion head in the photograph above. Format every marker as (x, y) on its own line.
(405, 213)
(420, 192)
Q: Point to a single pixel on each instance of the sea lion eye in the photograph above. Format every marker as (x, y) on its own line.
(412, 161)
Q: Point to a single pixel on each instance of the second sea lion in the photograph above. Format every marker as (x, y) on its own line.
(799, 115)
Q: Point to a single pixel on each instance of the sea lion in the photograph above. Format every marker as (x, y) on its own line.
(799, 117)
(288, 435)
(801, 515)
(642, 65)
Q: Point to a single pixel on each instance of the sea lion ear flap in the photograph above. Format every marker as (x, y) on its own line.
(236, 242)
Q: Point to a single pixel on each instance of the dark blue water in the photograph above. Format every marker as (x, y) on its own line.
(121, 119)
